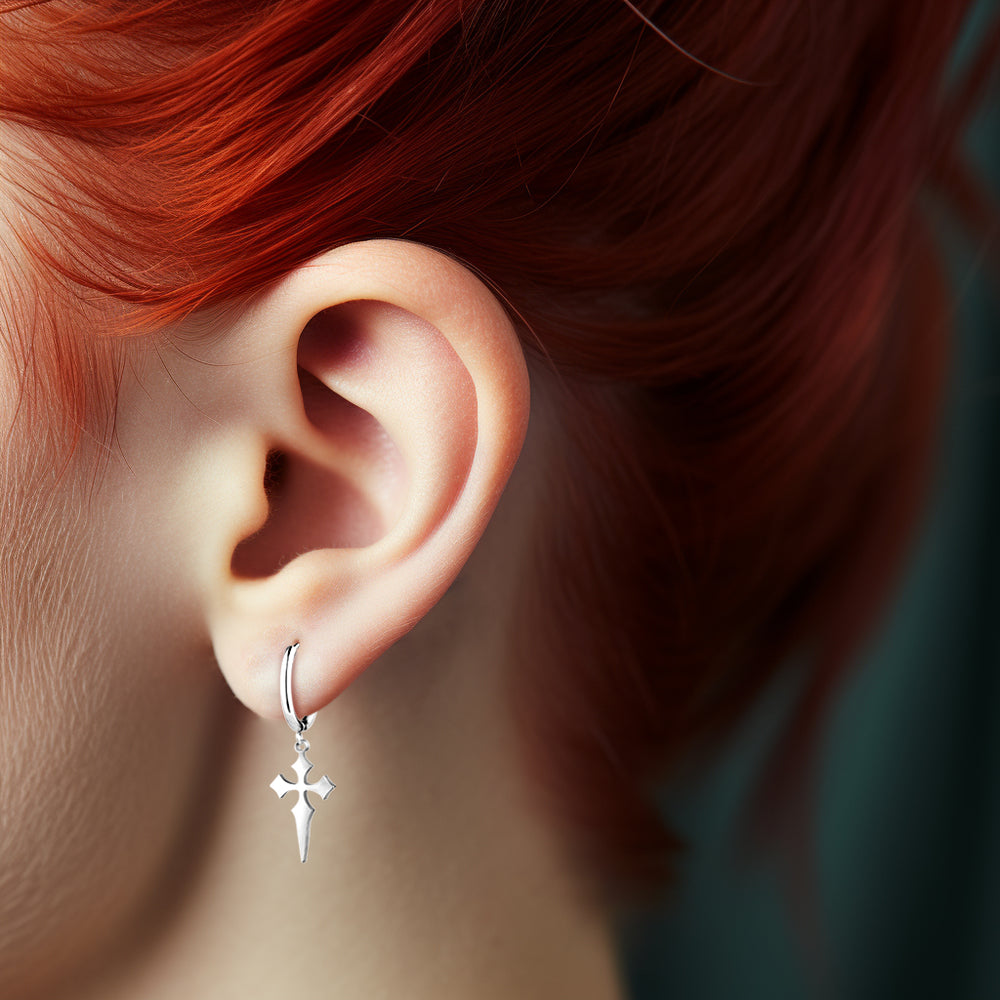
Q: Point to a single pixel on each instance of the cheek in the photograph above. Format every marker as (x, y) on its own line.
(105, 705)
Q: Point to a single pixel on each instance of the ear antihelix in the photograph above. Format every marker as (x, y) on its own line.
(395, 365)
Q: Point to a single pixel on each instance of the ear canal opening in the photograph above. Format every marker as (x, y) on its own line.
(275, 469)
(313, 506)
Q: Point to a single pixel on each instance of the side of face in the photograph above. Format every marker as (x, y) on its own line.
(103, 700)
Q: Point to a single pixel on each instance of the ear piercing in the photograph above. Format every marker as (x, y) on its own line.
(302, 810)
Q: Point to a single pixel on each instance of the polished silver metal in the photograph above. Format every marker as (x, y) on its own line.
(296, 724)
(302, 810)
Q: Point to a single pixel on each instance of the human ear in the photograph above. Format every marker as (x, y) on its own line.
(376, 411)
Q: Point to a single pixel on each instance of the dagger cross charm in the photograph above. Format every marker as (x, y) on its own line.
(302, 810)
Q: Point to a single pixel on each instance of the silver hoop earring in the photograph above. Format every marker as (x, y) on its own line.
(302, 810)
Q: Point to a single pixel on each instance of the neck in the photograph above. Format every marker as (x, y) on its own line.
(429, 874)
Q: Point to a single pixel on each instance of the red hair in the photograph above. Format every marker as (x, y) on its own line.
(709, 222)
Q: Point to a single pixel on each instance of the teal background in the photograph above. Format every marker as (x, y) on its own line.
(909, 788)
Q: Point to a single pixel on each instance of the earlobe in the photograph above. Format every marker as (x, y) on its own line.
(396, 405)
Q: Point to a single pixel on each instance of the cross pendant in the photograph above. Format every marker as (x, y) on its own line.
(302, 810)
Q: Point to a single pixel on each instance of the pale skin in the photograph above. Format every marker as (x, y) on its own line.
(144, 854)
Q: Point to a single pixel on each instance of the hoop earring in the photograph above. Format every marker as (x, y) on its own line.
(302, 810)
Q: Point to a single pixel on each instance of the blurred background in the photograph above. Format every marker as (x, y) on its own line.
(909, 787)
